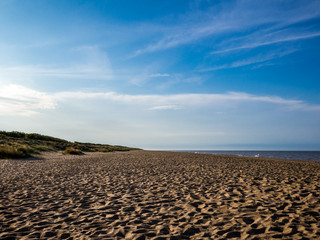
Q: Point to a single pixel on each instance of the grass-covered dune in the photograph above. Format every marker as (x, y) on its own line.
(21, 145)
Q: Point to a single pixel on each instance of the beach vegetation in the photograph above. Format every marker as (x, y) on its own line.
(21, 145)
(72, 151)
(8, 151)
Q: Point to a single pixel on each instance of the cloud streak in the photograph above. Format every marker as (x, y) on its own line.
(91, 63)
(166, 107)
(239, 17)
(250, 61)
(37, 71)
(19, 100)
(276, 40)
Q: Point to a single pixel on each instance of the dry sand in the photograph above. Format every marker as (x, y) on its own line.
(158, 195)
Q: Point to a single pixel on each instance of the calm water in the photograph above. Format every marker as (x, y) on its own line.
(292, 155)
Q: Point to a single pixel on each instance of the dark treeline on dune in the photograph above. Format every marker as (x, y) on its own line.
(20, 145)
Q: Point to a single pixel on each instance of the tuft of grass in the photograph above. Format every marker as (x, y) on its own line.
(73, 151)
(7, 151)
(106, 150)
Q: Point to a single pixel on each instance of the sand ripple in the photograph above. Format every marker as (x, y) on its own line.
(158, 195)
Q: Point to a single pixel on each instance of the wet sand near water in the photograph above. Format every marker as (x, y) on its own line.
(158, 195)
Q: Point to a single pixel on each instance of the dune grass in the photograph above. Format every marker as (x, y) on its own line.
(72, 151)
(7, 151)
(22, 145)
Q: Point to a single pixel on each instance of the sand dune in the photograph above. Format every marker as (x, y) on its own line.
(158, 195)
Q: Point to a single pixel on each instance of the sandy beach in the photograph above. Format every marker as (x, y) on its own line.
(158, 195)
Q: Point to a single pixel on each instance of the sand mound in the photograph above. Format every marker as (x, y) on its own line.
(158, 195)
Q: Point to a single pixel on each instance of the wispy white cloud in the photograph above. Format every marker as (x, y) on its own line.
(186, 100)
(260, 59)
(91, 63)
(163, 81)
(264, 42)
(19, 100)
(185, 34)
(142, 78)
(38, 71)
(239, 17)
(166, 107)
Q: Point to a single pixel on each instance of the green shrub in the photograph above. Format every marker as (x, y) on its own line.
(105, 150)
(37, 136)
(14, 134)
(7, 151)
(36, 143)
(44, 148)
(73, 151)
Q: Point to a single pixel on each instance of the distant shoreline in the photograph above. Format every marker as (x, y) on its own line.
(281, 154)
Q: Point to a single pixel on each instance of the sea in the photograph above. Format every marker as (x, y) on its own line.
(291, 155)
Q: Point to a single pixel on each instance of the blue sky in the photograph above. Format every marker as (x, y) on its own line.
(163, 74)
